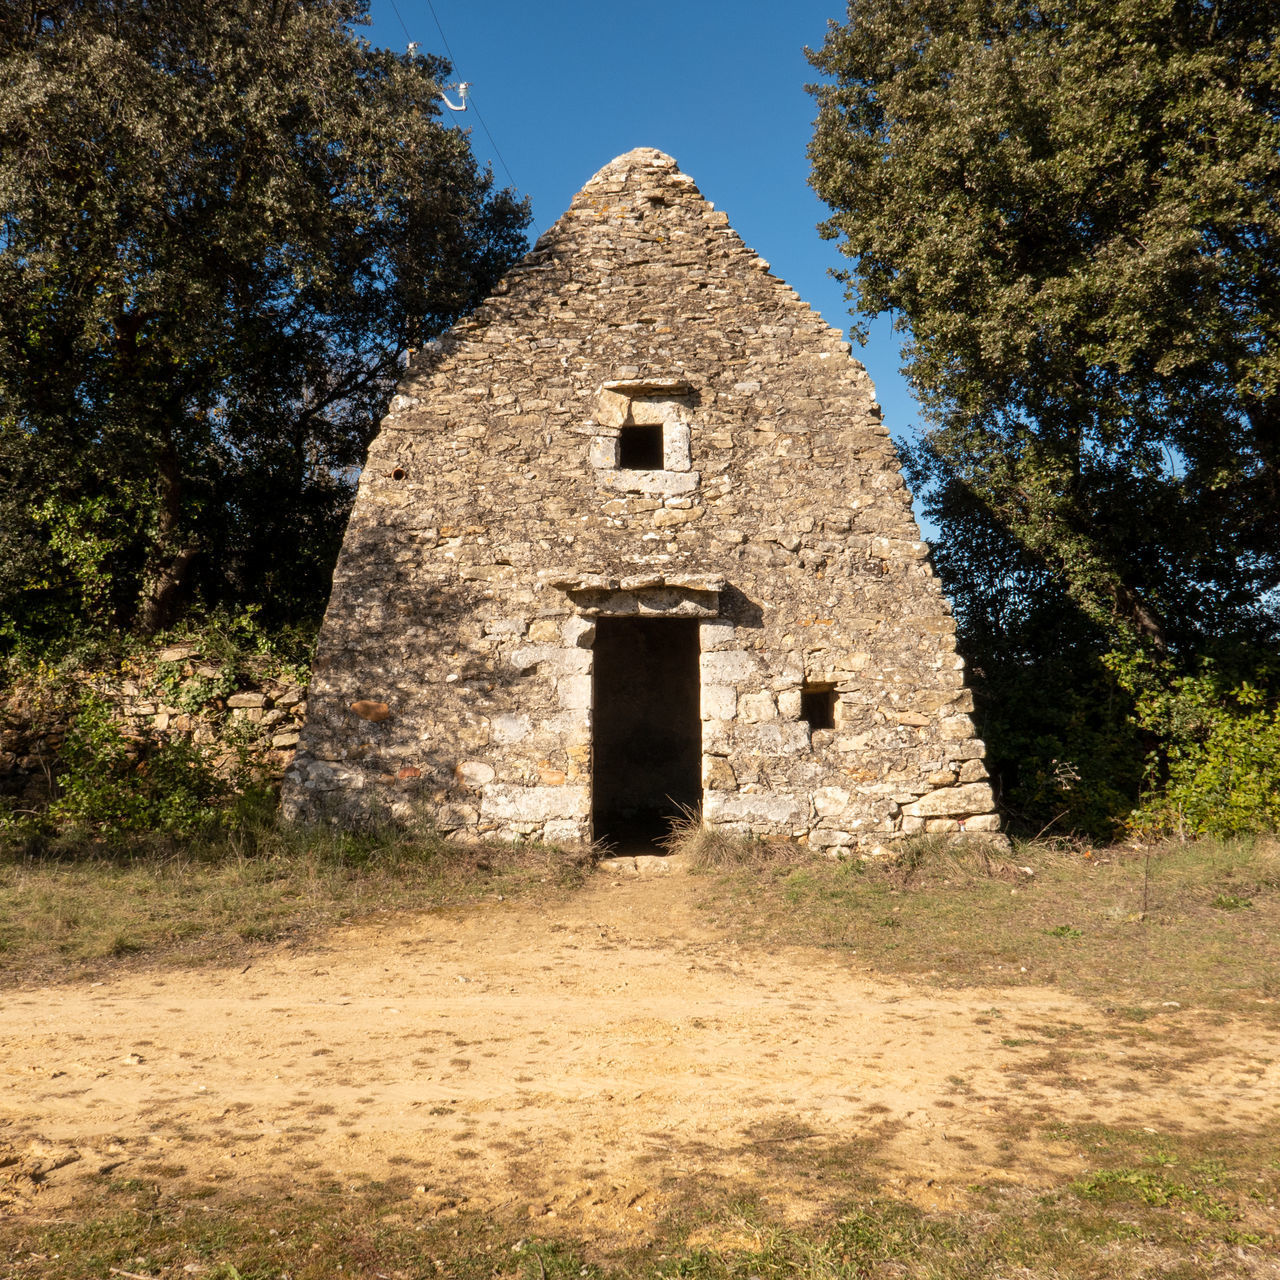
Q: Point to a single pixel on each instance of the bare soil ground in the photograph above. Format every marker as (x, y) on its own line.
(593, 1061)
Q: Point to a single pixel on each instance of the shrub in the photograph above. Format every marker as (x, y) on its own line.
(118, 785)
(1215, 768)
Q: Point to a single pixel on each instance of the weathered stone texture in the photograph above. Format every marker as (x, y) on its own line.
(493, 526)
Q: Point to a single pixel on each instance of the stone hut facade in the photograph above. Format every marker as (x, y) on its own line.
(633, 540)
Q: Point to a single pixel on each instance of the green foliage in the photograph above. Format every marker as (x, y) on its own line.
(121, 784)
(1152, 1187)
(117, 786)
(210, 265)
(1216, 767)
(1070, 210)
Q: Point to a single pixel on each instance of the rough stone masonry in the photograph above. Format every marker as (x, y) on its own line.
(638, 514)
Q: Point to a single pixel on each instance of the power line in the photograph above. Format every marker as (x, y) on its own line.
(399, 19)
(443, 38)
(454, 61)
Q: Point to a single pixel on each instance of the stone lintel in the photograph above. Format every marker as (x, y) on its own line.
(635, 388)
(647, 602)
(574, 580)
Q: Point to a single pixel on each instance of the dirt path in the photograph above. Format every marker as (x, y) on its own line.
(592, 1062)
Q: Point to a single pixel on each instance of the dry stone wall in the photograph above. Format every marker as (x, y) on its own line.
(498, 519)
(173, 694)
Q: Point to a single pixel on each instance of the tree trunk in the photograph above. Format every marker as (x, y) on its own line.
(168, 564)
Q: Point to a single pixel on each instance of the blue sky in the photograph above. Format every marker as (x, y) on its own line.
(566, 85)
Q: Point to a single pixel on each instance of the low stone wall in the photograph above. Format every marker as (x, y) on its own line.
(172, 694)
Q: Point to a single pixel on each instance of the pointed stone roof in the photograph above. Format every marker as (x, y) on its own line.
(640, 228)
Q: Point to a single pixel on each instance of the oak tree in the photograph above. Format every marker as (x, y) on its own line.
(1072, 210)
(221, 223)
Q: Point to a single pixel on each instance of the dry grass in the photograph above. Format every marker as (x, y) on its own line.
(78, 912)
(703, 848)
(1128, 927)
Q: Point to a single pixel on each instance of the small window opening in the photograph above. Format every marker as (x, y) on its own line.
(640, 448)
(818, 705)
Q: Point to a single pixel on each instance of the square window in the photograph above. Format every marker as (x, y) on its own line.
(640, 448)
(818, 705)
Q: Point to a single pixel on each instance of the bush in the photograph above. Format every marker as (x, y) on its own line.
(117, 785)
(1215, 768)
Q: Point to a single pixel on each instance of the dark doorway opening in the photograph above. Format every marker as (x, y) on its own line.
(647, 749)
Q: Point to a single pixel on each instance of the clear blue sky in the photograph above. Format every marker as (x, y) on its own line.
(563, 86)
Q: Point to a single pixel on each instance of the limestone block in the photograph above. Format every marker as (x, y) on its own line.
(955, 728)
(718, 634)
(830, 802)
(324, 775)
(717, 774)
(667, 518)
(544, 631)
(728, 666)
(501, 802)
(911, 718)
(719, 702)
(912, 826)
(449, 817)
(771, 738)
(822, 838)
(505, 627)
(566, 831)
(579, 632)
(898, 549)
(612, 409)
(474, 773)
(603, 452)
(983, 822)
(551, 660)
(650, 482)
(941, 825)
(574, 692)
(509, 729)
(973, 771)
(675, 448)
(765, 806)
(754, 707)
(973, 797)
(789, 704)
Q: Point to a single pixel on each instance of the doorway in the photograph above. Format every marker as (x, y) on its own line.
(647, 750)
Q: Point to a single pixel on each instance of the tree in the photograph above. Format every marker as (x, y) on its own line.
(1073, 211)
(222, 223)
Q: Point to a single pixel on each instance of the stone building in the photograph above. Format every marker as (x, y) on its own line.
(633, 539)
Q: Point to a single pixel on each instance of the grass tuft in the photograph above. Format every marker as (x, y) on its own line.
(704, 848)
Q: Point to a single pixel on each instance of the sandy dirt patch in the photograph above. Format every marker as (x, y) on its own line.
(595, 1061)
